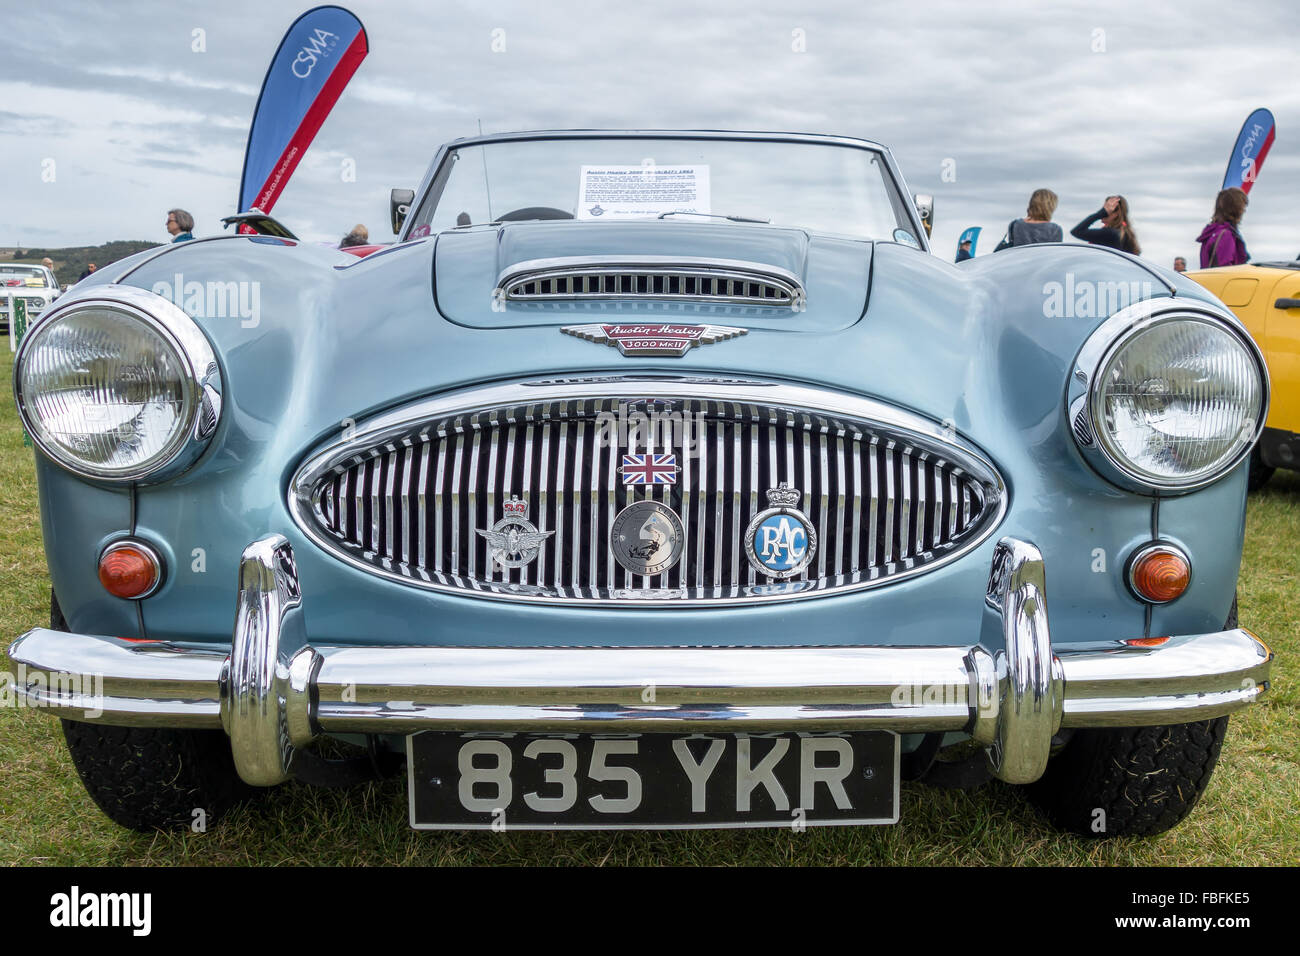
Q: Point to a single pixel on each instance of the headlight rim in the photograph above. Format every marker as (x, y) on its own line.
(201, 379)
(1115, 333)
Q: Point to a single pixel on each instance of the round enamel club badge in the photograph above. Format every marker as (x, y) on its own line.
(780, 542)
(647, 537)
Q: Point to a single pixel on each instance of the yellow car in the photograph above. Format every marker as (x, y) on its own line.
(1266, 297)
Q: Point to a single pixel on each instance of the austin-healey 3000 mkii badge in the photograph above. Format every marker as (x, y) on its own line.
(514, 540)
(647, 537)
(666, 340)
(781, 541)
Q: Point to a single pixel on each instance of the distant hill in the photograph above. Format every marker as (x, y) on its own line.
(71, 261)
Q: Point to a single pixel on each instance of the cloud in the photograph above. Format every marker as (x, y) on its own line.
(1087, 98)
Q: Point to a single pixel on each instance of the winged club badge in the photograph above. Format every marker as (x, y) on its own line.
(666, 340)
(514, 540)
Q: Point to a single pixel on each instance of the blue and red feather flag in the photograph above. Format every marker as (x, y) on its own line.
(316, 58)
(1253, 144)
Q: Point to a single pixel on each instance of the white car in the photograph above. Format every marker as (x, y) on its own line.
(35, 285)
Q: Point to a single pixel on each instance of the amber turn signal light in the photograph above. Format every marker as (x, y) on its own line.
(130, 569)
(1159, 573)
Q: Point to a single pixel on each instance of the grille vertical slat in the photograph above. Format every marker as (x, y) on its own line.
(754, 505)
(719, 478)
(471, 494)
(889, 553)
(922, 491)
(544, 522)
(593, 519)
(561, 482)
(575, 545)
(879, 504)
(873, 531)
(806, 485)
(823, 509)
(490, 499)
(737, 471)
(422, 551)
(840, 490)
(611, 509)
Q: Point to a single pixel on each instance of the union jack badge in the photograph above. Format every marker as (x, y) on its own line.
(649, 469)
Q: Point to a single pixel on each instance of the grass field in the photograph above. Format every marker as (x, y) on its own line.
(1251, 814)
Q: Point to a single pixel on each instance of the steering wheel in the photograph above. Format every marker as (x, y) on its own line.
(534, 212)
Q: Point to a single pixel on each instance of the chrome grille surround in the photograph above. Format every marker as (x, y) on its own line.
(404, 496)
(676, 279)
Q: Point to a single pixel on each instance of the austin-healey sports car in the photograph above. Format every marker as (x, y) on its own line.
(648, 480)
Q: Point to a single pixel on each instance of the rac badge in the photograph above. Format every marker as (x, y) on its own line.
(514, 541)
(647, 537)
(781, 541)
(666, 340)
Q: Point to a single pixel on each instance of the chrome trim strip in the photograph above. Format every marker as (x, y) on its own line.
(800, 404)
(1196, 677)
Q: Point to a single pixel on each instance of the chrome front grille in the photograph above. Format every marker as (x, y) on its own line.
(888, 495)
(728, 282)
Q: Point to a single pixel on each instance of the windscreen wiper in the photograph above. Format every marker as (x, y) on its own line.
(711, 215)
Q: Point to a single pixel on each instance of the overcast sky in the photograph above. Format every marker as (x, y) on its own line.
(134, 112)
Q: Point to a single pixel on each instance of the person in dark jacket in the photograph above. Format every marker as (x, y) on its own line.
(1037, 226)
(963, 251)
(1221, 243)
(1114, 229)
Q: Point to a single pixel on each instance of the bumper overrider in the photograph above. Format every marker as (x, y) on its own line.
(274, 692)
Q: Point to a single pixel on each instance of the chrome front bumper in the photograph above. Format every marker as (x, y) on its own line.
(274, 692)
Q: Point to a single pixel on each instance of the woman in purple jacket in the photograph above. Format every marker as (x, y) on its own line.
(1221, 243)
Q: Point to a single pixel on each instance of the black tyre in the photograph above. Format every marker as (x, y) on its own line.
(154, 779)
(1259, 473)
(1131, 781)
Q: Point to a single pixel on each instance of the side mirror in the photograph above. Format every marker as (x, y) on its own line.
(925, 209)
(399, 203)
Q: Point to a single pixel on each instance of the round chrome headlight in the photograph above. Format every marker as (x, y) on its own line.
(1175, 399)
(118, 385)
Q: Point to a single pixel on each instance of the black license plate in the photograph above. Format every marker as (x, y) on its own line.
(506, 781)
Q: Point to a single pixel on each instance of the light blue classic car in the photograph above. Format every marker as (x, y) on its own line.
(650, 479)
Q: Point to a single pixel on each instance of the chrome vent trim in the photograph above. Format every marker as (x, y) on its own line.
(891, 494)
(719, 281)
